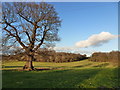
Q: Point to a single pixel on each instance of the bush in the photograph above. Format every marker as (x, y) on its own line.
(106, 57)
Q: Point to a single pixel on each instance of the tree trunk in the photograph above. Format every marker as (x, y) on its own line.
(29, 63)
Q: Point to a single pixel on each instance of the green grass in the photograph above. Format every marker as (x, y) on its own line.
(80, 74)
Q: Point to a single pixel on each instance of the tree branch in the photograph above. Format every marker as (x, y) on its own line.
(28, 36)
(5, 28)
(43, 16)
(42, 40)
(16, 36)
(33, 36)
(25, 19)
(12, 27)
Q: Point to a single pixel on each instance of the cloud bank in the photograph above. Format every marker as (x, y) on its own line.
(96, 40)
(73, 50)
(93, 40)
(64, 48)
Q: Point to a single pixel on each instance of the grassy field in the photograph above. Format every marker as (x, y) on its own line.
(80, 74)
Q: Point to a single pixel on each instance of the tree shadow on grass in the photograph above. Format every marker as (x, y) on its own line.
(41, 69)
(102, 65)
(83, 65)
(17, 68)
(12, 66)
(51, 68)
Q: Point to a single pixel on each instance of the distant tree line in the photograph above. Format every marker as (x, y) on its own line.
(44, 55)
(112, 56)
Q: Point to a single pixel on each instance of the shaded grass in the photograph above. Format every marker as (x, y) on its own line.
(80, 74)
(101, 65)
(48, 79)
(83, 78)
(84, 65)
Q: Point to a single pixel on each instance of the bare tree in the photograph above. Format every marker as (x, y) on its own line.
(30, 25)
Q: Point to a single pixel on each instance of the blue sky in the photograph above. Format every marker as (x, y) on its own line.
(81, 20)
(87, 27)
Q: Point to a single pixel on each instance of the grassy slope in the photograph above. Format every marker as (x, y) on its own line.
(81, 74)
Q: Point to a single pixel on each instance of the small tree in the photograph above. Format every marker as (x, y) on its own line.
(30, 25)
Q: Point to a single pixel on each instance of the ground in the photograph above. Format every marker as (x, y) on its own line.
(80, 74)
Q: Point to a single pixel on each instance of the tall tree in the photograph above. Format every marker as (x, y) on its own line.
(30, 25)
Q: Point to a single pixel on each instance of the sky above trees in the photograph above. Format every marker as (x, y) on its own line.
(87, 27)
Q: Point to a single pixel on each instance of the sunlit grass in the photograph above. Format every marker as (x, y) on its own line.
(78, 64)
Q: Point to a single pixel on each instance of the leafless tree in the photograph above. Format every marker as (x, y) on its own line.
(30, 25)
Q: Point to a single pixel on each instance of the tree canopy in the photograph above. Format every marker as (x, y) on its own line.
(29, 25)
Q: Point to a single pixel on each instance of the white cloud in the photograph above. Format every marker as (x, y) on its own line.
(96, 40)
